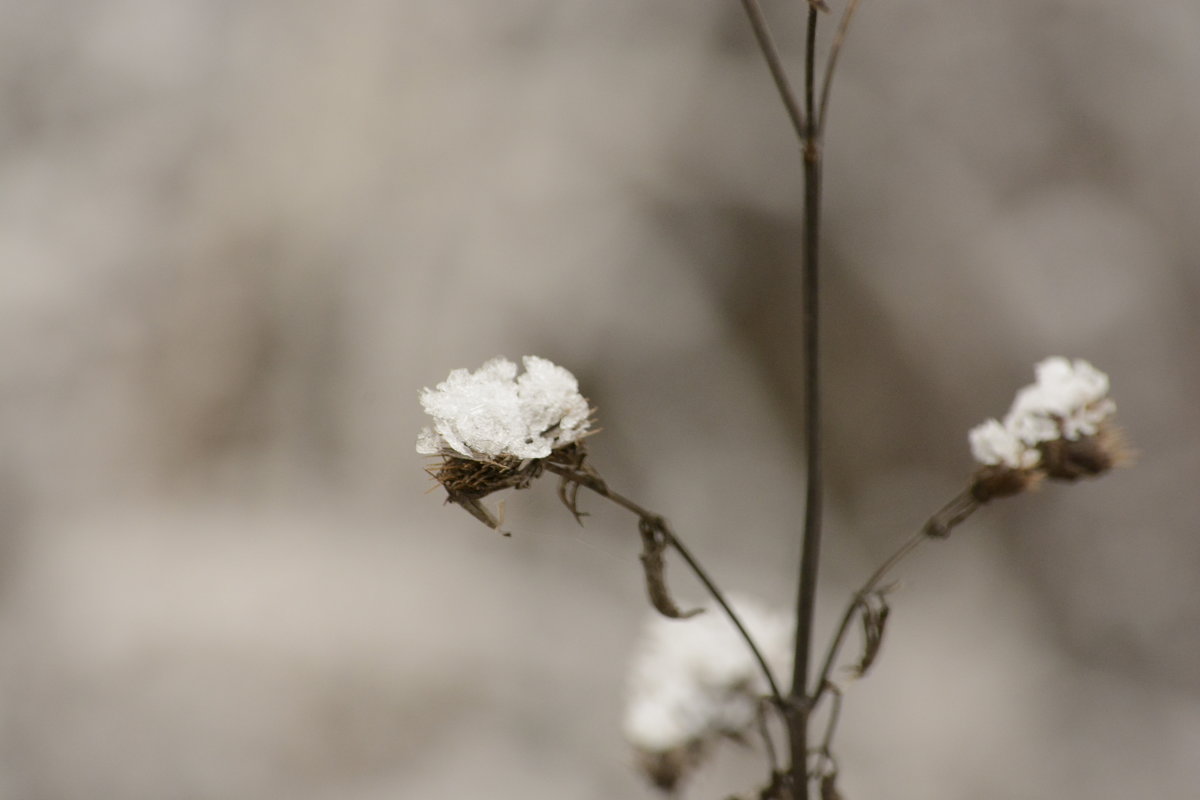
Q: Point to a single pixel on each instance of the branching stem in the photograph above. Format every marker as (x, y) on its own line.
(809, 126)
(937, 526)
(766, 43)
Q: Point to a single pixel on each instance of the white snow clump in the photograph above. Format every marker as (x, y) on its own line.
(491, 412)
(1069, 400)
(695, 680)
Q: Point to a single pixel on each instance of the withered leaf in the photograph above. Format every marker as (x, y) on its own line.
(655, 568)
(873, 612)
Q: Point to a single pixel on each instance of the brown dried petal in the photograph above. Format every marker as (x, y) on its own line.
(478, 511)
(467, 482)
(1085, 457)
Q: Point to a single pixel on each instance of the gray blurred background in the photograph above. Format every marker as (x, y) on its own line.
(238, 237)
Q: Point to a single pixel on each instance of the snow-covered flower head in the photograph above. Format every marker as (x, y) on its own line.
(993, 443)
(491, 413)
(494, 430)
(692, 682)
(1053, 426)
(1069, 400)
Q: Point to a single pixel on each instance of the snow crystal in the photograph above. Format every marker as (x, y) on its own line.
(1069, 400)
(491, 412)
(992, 443)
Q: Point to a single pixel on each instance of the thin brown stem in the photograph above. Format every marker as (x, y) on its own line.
(766, 43)
(835, 714)
(764, 730)
(659, 523)
(835, 50)
(810, 549)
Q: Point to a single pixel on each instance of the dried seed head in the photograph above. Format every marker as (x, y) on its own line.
(493, 429)
(1087, 456)
(990, 483)
(1058, 427)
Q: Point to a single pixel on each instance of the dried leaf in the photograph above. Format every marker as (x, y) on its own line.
(874, 613)
(655, 568)
(480, 512)
(568, 493)
(572, 457)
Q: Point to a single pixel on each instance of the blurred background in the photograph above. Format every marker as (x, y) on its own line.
(237, 238)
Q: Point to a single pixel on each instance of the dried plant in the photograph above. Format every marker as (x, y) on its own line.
(696, 682)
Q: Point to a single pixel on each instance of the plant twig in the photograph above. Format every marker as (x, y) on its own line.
(810, 548)
(937, 526)
(835, 50)
(835, 714)
(766, 43)
(648, 519)
(764, 730)
(808, 132)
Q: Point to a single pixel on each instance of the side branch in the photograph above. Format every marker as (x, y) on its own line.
(835, 50)
(937, 526)
(774, 63)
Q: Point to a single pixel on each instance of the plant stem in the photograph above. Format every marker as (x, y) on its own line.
(937, 526)
(662, 526)
(805, 124)
(835, 50)
(810, 549)
(774, 63)
(809, 126)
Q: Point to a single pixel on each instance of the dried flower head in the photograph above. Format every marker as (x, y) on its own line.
(1057, 427)
(493, 428)
(693, 682)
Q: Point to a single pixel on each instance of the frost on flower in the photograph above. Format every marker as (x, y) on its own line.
(493, 428)
(1056, 426)
(492, 413)
(993, 443)
(692, 682)
(1069, 400)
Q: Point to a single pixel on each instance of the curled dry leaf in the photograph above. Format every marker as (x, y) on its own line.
(655, 568)
(874, 613)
